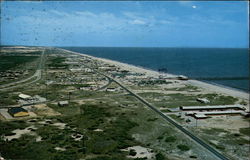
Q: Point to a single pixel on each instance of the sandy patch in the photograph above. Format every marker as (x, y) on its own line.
(98, 130)
(59, 125)
(60, 149)
(20, 132)
(77, 136)
(38, 139)
(80, 102)
(229, 123)
(141, 152)
(43, 110)
(215, 142)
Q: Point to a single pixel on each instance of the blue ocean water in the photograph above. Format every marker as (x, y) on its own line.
(229, 67)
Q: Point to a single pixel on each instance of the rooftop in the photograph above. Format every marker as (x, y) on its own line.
(15, 110)
(24, 96)
(212, 107)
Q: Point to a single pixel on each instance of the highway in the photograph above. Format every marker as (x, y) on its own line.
(185, 131)
(37, 75)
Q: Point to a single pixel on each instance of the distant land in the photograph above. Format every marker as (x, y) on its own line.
(224, 66)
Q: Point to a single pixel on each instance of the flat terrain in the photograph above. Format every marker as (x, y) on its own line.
(102, 121)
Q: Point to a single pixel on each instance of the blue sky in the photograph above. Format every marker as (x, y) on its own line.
(127, 24)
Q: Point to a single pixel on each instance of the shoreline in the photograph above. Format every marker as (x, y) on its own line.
(205, 85)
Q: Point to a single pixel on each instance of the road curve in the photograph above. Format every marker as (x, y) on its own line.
(36, 75)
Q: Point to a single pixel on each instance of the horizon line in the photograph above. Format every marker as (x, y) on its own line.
(132, 46)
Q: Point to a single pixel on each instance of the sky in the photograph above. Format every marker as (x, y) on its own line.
(222, 24)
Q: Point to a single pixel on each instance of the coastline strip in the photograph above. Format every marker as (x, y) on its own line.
(207, 86)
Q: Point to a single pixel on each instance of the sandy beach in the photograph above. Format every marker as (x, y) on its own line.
(151, 73)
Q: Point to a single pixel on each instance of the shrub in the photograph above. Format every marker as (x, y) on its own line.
(183, 147)
(170, 139)
(159, 156)
(132, 152)
(245, 131)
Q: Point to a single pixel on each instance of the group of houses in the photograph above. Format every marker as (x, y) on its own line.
(203, 112)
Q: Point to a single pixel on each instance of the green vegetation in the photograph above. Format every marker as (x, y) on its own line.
(218, 146)
(183, 147)
(160, 156)
(216, 99)
(58, 62)
(10, 62)
(173, 100)
(23, 53)
(214, 131)
(7, 127)
(186, 88)
(170, 139)
(132, 152)
(243, 102)
(63, 86)
(152, 119)
(177, 118)
(115, 136)
(44, 149)
(108, 158)
(192, 156)
(221, 139)
(178, 99)
(7, 99)
(245, 131)
(151, 94)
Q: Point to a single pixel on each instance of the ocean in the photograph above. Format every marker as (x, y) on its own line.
(223, 66)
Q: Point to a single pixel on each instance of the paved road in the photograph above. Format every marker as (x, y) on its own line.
(185, 131)
(105, 86)
(37, 75)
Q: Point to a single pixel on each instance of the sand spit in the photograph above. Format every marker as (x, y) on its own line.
(151, 73)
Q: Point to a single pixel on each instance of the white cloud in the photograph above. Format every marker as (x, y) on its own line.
(84, 21)
(85, 13)
(137, 21)
(55, 12)
(194, 6)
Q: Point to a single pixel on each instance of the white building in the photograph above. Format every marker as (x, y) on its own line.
(63, 103)
(24, 96)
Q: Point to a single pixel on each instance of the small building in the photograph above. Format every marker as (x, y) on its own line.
(18, 112)
(223, 112)
(203, 115)
(75, 69)
(203, 100)
(24, 96)
(63, 103)
(181, 77)
(110, 89)
(215, 107)
(200, 116)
